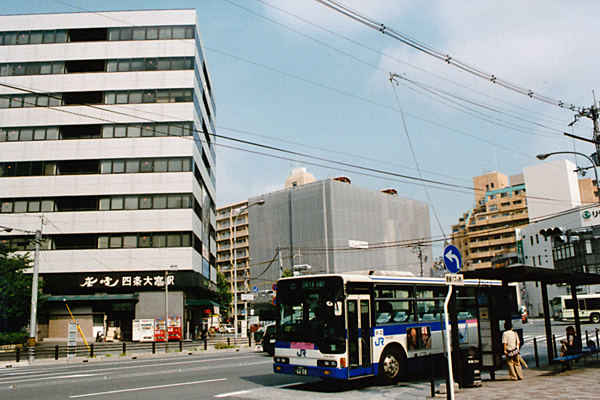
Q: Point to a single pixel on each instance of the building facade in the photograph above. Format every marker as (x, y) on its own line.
(488, 230)
(333, 226)
(233, 236)
(106, 123)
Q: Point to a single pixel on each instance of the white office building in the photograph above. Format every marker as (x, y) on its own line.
(106, 124)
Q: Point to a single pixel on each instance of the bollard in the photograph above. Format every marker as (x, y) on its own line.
(92, 350)
(597, 344)
(228, 341)
(56, 352)
(587, 338)
(432, 375)
(124, 348)
(18, 354)
(205, 344)
(153, 347)
(180, 346)
(249, 340)
(555, 352)
(535, 350)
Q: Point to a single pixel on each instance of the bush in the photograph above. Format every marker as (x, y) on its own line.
(13, 338)
(223, 345)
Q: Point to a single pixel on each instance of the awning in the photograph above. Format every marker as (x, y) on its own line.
(202, 303)
(521, 273)
(94, 297)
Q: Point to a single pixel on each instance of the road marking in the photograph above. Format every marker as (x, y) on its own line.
(233, 393)
(145, 388)
(250, 390)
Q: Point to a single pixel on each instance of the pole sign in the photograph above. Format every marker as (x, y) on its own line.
(452, 258)
(255, 289)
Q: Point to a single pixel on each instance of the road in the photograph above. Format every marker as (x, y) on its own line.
(245, 373)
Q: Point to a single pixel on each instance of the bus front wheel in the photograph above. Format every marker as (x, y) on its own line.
(392, 366)
(595, 318)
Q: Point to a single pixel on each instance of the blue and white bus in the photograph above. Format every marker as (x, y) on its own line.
(369, 324)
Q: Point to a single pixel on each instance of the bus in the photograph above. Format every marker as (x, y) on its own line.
(589, 307)
(347, 326)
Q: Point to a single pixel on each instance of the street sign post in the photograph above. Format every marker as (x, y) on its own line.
(453, 262)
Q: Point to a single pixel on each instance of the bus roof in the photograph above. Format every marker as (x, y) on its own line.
(374, 277)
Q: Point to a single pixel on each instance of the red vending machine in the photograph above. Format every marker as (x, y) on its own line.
(175, 328)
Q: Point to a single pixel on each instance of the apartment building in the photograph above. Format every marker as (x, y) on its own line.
(488, 230)
(106, 124)
(232, 236)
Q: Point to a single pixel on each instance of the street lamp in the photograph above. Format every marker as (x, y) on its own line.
(235, 312)
(172, 268)
(543, 156)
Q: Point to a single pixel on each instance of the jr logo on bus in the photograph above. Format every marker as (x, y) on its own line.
(379, 341)
(302, 353)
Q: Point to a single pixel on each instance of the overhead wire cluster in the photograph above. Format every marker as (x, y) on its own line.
(327, 162)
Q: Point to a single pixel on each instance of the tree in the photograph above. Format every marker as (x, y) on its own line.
(15, 290)
(287, 272)
(224, 295)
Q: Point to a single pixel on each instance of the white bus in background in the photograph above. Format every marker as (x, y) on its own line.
(589, 307)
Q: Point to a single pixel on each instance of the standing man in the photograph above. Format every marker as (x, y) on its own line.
(511, 343)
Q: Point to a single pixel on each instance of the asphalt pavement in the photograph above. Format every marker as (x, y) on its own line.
(582, 382)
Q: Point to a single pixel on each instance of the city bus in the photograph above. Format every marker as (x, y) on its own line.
(589, 307)
(347, 326)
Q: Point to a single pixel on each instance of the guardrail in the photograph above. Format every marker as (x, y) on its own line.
(107, 349)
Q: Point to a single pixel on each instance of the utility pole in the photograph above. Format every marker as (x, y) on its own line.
(419, 250)
(34, 294)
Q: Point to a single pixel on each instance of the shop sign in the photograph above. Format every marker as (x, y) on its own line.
(124, 281)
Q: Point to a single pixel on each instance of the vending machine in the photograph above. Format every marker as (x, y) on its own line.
(175, 331)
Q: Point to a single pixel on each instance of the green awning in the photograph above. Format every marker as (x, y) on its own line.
(93, 297)
(202, 303)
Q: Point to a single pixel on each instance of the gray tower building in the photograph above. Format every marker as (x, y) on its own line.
(335, 227)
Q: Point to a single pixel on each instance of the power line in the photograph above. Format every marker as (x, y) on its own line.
(371, 23)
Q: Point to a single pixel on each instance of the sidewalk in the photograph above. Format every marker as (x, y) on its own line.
(583, 382)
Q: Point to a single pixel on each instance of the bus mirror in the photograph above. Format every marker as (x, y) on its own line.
(337, 311)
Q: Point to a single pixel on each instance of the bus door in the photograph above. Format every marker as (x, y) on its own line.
(359, 335)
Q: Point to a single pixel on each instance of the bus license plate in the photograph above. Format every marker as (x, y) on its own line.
(300, 370)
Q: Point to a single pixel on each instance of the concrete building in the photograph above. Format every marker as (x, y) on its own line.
(105, 136)
(488, 230)
(334, 226)
(232, 239)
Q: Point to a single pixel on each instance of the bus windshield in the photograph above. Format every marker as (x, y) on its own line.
(311, 311)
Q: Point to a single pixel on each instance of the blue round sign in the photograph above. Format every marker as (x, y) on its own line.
(452, 258)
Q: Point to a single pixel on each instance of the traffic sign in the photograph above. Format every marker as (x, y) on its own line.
(275, 287)
(255, 289)
(452, 258)
(274, 301)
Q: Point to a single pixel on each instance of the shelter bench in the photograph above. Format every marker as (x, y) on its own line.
(566, 360)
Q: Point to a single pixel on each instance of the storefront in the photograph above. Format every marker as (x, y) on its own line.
(105, 305)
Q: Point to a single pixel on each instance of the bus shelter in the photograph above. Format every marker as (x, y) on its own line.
(545, 276)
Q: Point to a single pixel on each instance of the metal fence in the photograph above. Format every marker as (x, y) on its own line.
(107, 349)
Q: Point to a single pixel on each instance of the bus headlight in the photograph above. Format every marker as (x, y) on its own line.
(282, 360)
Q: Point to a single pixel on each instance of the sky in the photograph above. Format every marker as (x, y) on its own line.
(310, 87)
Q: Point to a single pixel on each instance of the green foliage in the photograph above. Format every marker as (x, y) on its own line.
(13, 338)
(223, 345)
(287, 272)
(15, 290)
(224, 296)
